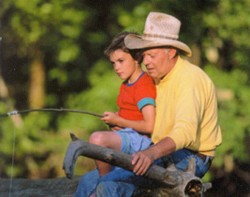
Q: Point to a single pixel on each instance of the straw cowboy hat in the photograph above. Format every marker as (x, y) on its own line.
(160, 30)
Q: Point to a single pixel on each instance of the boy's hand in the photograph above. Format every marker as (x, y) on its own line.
(115, 128)
(110, 118)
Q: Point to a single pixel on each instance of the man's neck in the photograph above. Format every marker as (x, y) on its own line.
(171, 65)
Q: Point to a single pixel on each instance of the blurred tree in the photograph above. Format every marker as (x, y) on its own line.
(43, 42)
(33, 31)
(227, 35)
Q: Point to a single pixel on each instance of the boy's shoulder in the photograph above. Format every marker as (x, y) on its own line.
(145, 78)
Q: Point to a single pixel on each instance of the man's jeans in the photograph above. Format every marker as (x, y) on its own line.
(122, 183)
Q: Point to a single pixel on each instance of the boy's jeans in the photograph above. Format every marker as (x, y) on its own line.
(91, 180)
(122, 183)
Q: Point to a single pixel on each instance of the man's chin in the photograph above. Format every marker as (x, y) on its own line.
(152, 74)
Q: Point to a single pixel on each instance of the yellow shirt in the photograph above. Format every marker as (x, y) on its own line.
(186, 109)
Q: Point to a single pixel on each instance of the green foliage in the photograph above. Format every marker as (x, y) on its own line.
(234, 113)
(100, 97)
(229, 34)
(34, 22)
(17, 139)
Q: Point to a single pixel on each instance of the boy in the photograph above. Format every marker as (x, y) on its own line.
(133, 124)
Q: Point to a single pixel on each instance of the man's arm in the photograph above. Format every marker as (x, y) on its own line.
(144, 159)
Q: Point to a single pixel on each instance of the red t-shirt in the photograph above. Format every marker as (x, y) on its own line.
(133, 97)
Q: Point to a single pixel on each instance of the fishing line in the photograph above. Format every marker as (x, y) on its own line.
(12, 161)
(14, 134)
(11, 113)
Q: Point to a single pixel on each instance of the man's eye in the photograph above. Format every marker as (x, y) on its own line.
(148, 55)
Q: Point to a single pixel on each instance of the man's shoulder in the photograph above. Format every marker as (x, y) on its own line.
(190, 69)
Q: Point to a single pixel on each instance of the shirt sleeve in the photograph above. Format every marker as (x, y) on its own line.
(145, 93)
(187, 116)
(145, 101)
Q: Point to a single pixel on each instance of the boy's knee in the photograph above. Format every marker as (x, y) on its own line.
(96, 138)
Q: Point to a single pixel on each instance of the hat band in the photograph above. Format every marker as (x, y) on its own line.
(160, 36)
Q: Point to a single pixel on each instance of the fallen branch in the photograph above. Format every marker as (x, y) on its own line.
(174, 182)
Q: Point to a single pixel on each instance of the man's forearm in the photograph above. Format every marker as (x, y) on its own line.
(142, 160)
(162, 148)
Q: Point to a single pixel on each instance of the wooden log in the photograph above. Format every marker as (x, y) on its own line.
(173, 182)
(78, 147)
(61, 187)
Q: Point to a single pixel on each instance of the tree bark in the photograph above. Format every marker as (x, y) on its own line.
(4, 94)
(37, 81)
(61, 187)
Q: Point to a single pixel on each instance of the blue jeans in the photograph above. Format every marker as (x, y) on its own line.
(91, 180)
(122, 183)
(132, 141)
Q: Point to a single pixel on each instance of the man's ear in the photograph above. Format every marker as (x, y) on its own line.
(172, 53)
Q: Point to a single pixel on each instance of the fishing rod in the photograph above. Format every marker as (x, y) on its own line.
(15, 112)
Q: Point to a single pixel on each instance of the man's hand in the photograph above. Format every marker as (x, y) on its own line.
(142, 161)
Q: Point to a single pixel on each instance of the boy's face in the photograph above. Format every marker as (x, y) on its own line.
(123, 63)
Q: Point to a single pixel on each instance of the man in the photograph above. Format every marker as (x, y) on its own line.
(186, 124)
(186, 106)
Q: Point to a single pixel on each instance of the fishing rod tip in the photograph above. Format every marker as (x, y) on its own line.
(12, 113)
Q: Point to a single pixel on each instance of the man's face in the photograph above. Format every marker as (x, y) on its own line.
(157, 62)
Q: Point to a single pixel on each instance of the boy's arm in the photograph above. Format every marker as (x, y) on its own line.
(143, 126)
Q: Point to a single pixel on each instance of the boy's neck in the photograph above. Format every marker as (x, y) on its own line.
(135, 76)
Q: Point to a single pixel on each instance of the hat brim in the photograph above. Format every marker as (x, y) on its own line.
(141, 42)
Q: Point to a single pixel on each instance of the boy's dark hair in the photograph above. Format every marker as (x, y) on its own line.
(118, 43)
